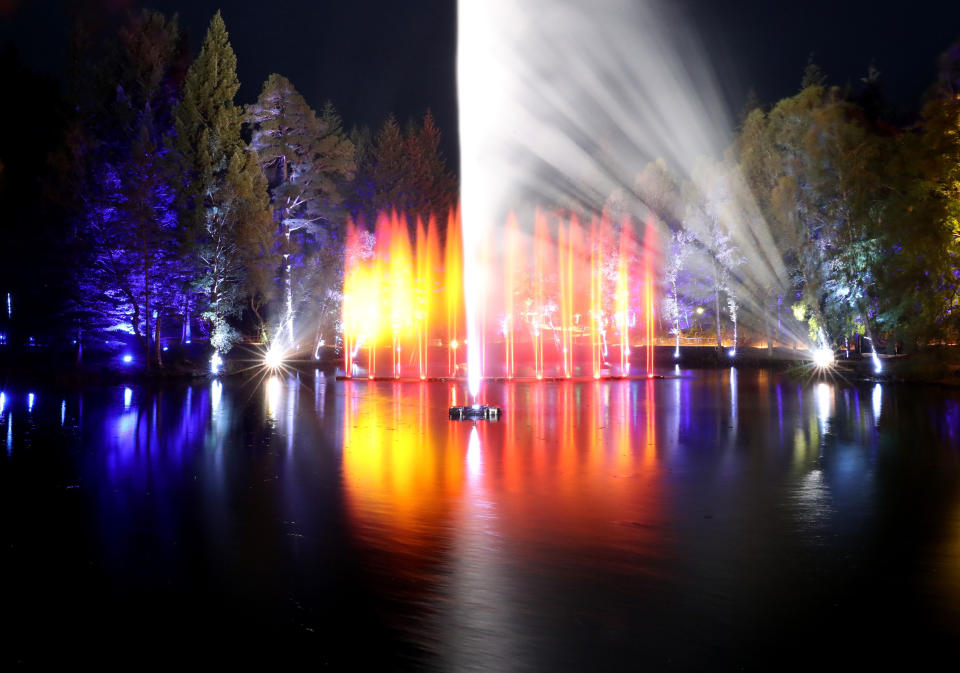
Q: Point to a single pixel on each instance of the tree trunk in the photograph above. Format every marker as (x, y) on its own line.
(146, 321)
(716, 312)
(769, 322)
(873, 342)
(185, 336)
(156, 340)
(734, 335)
(288, 299)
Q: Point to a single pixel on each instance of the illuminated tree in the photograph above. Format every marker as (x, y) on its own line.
(712, 211)
(307, 159)
(922, 288)
(222, 190)
(128, 269)
(814, 165)
(681, 246)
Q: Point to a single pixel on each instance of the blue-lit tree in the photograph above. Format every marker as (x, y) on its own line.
(129, 270)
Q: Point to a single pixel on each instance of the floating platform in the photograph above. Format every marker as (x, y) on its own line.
(476, 412)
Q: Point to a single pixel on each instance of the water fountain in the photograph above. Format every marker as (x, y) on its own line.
(572, 302)
(553, 267)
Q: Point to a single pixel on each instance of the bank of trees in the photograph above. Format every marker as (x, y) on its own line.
(190, 211)
(862, 217)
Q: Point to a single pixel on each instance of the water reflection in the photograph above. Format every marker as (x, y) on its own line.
(474, 458)
(877, 403)
(594, 512)
(824, 404)
(272, 396)
(216, 394)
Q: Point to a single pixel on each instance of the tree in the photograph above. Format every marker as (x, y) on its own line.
(307, 159)
(147, 218)
(234, 238)
(681, 246)
(388, 169)
(434, 189)
(222, 189)
(922, 287)
(402, 171)
(126, 265)
(813, 76)
(712, 210)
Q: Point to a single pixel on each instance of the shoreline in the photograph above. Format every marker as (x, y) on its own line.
(933, 366)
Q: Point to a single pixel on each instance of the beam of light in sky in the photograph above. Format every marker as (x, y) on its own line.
(563, 104)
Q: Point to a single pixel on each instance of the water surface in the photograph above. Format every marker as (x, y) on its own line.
(718, 519)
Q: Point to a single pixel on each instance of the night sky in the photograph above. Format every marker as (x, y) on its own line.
(380, 56)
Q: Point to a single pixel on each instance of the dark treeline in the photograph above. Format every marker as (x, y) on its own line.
(173, 213)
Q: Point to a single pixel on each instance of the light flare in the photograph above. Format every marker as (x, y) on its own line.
(824, 358)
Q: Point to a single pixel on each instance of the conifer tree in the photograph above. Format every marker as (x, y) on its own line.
(307, 158)
(220, 183)
(403, 171)
(435, 187)
(127, 270)
(388, 166)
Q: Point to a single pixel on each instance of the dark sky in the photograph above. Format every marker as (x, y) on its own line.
(379, 56)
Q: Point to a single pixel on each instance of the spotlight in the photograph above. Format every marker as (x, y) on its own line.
(273, 358)
(127, 359)
(823, 358)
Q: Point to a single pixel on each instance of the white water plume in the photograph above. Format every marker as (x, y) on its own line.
(564, 103)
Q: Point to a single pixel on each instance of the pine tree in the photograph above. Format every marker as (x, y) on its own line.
(233, 238)
(307, 159)
(812, 75)
(125, 257)
(388, 166)
(219, 181)
(435, 188)
(403, 171)
(337, 167)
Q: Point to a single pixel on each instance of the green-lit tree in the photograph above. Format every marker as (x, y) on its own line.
(813, 166)
(922, 236)
(221, 188)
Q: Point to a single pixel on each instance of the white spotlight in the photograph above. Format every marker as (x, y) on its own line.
(823, 358)
(273, 358)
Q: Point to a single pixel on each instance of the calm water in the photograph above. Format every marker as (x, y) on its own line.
(722, 519)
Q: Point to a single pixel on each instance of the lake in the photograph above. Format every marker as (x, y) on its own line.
(712, 519)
